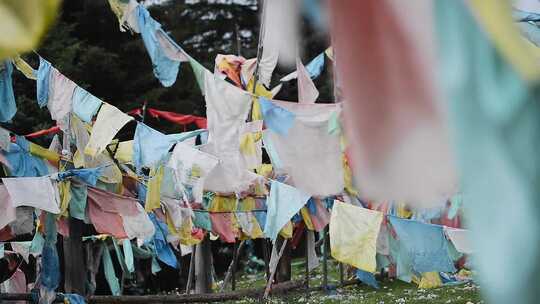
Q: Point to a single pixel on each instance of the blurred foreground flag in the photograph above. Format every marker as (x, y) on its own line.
(412, 69)
(23, 24)
(385, 54)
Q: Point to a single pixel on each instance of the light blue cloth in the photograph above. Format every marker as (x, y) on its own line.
(283, 202)
(78, 201)
(271, 151)
(165, 69)
(151, 146)
(2, 250)
(531, 31)
(455, 203)
(276, 118)
(425, 244)
(128, 255)
(316, 65)
(522, 16)
(401, 259)
(74, 298)
(261, 215)
(367, 278)
(202, 220)
(21, 162)
(42, 84)
(36, 247)
(495, 117)
(50, 267)
(8, 107)
(155, 266)
(427, 215)
(85, 105)
(164, 251)
(110, 275)
(89, 175)
(51, 231)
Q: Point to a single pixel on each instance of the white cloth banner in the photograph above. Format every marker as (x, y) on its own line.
(38, 192)
(310, 155)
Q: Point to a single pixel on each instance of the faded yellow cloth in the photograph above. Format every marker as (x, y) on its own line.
(247, 144)
(249, 204)
(65, 196)
(347, 175)
(265, 170)
(330, 52)
(153, 192)
(41, 152)
(124, 152)
(496, 19)
(24, 67)
(287, 231)
(353, 235)
(428, 280)
(260, 90)
(119, 8)
(184, 232)
(403, 211)
(307, 218)
(24, 23)
(223, 203)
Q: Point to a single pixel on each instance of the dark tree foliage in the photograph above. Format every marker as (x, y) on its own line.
(87, 46)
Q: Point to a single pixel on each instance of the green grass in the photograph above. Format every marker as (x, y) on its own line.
(391, 291)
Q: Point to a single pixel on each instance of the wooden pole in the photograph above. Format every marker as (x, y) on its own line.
(266, 258)
(203, 267)
(306, 232)
(232, 267)
(196, 298)
(274, 268)
(325, 258)
(191, 272)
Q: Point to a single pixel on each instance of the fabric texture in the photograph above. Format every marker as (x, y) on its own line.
(191, 167)
(110, 275)
(60, 97)
(21, 162)
(276, 118)
(227, 108)
(394, 118)
(50, 267)
(43, 76)
(165, 69)
(283, 202)
(105, 210)
(85, 105)
(108, 122)
(110, 173)
(353, 235)
(497, 135)
(8, 107)
(307, 92)
(89, 176)
(164, 251)
(38, 192)
(425, 244)
(150, 146)
(459, 239)
(7, 210)
(279, 37)
(139, 225)
(310, 155)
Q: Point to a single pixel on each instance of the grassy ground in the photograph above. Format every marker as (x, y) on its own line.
(391, 291)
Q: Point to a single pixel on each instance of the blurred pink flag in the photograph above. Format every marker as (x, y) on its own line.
(394, 122)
